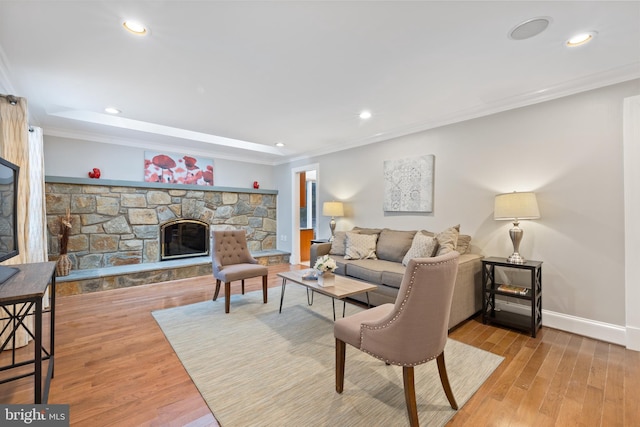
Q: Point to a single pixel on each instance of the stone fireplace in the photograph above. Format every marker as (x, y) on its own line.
(184, 238)
(121, 223)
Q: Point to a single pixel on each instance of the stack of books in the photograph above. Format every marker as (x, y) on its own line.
(518, 290)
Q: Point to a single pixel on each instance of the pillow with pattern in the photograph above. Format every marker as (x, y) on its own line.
(360, 246)
(423, 246)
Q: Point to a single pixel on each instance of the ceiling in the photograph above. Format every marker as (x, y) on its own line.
(229, 79)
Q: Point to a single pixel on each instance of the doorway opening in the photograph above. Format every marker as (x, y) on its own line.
(304, 212)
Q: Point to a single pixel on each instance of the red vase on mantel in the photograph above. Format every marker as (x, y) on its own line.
(256, 185)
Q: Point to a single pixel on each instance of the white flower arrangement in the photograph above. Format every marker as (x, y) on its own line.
(325, 263)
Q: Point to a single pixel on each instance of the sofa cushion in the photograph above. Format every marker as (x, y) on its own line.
(362, 230)
(360, 246)
(393, 244)
(369, 270)
(392, 275)
(340, 262)
(447, 240)
(422, 246)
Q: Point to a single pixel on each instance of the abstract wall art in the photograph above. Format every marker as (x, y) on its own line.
(408, 184)
(177, 169)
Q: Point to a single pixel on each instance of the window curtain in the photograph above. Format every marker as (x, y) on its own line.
(25, 149)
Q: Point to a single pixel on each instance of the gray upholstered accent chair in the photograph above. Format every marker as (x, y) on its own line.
(232, 261)
(410, 332)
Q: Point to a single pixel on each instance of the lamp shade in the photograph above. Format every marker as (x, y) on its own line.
(509, 206)
(332, 209)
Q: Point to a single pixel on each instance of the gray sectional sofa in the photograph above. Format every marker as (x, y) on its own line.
(385, 267)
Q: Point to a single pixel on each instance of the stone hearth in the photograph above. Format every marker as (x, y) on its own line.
(102, 279)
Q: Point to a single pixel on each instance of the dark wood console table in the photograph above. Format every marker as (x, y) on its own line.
(28, 288)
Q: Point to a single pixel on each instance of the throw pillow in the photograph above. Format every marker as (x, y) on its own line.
(338, 244)
(447, 240)
(463, 244)
(423, 246)
(360, 246)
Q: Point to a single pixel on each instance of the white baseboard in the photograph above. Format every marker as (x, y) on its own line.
(628, 337)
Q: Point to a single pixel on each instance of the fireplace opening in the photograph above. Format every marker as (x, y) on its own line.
(184, 238)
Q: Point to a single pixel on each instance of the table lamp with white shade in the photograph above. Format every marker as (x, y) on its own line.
(514, 207)
(332, 209)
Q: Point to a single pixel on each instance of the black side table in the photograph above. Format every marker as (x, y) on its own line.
(532, 294)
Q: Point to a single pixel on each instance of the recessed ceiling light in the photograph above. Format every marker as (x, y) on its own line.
(580, 39)
(365, 115)
(279, 144)
(112, 110)
(135, 27)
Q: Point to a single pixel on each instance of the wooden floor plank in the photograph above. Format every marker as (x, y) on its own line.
(614, 389)
(631, 384)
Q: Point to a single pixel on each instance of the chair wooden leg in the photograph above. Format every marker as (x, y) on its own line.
(264, 289)
(340, 359)
(410, 395)
(242, 286)
(217, 291)
(227, 296)
(444, 379)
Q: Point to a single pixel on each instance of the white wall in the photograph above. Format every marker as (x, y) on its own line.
(75, 158)
(569, 151)
(632, 213)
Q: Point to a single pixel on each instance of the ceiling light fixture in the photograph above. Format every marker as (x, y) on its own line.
(580, 39)
(279, 144)
(529, 28)
(135, 28)
(365, 115)
(112, 110)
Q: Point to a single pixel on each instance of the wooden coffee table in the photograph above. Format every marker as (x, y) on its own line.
(342, 288)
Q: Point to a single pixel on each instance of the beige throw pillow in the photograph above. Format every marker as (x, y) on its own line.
(423, 246)
(464, 242)
(360, 246)
(447, 240)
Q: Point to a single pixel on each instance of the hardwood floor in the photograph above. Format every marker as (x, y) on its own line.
(115, 368)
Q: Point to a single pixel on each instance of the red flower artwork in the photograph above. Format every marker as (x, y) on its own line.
(177, 169)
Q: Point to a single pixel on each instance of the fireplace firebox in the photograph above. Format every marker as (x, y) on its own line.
(184, 238)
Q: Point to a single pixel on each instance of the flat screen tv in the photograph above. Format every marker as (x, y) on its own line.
(8, 216)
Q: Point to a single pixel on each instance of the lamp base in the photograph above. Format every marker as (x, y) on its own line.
(515, 258)
(332, 226)
(516, 236)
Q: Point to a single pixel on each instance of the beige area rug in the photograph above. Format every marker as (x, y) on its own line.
(255, 367)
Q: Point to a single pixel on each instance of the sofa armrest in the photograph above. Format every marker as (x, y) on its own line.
(467, 292)
(318, 250)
